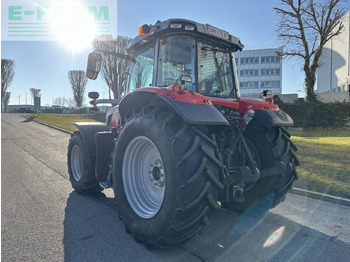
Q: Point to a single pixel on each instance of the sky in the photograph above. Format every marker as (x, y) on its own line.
(45, 64)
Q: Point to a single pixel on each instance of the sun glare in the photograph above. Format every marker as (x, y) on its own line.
(72, 24)
(275, 237)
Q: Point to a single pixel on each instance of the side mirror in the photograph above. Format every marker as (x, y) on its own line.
(93, 95)
(93, 65)
(266, 93)
(185, 79)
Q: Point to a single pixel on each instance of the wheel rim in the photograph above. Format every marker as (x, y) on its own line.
(143, 177)
(76, 163)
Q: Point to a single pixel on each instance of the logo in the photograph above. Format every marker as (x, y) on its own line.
(45, 20)
(217, 32)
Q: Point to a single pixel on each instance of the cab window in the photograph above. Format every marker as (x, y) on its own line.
(215, 76)
(177, 61)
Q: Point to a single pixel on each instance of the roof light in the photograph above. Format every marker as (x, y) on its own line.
(189, 27)
(175, 25)
(144, 30)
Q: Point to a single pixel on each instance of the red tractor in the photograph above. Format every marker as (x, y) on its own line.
(182, 142)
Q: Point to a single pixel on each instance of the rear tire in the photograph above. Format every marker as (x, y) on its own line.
(81, 170)
(272, 145)
(165, 178)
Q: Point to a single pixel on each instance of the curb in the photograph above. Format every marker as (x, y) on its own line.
(54, 127)
(295, 190)
(295, 128)
(321, 196)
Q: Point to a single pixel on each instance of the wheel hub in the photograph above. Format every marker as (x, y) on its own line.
(157, 174)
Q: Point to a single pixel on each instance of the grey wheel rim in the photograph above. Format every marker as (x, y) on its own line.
(143, 177)
(76, 163)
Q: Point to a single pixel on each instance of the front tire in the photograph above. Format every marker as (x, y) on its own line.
(165, 177)
(81, 170)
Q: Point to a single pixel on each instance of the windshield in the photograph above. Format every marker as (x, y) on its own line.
(212, 74)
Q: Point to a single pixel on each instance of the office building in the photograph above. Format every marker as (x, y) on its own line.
(334, 71)
(259, 70)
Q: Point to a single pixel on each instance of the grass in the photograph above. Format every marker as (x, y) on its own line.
(61, 120)
(324, 155)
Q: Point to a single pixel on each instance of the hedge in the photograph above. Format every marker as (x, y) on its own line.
(304, 114)
(318, 114)
(99, 116)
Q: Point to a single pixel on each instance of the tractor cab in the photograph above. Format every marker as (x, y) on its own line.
(198, 57)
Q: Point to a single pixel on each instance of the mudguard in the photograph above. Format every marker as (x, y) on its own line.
(197, 112)
(88, 130)
(269, 118)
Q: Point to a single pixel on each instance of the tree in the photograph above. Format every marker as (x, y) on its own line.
(70, 102)
(113, 67)
(60, 101)
(35, 92)
(306, 26)
(142, 72)
(6, 100)
(7, 74)
(78, 81)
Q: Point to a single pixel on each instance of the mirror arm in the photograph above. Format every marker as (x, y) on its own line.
(94, 102)
(117, 54)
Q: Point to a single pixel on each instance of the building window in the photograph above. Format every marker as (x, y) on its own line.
(270, 84)
(249, 60)
(270, 59)
(249, 72)
(249, 84)
(273, 72)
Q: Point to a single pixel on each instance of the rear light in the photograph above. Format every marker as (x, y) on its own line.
(176, 88)
(269, 100)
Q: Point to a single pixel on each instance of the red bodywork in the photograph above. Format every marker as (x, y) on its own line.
(115, 121)
(242, 105)
(176, 92)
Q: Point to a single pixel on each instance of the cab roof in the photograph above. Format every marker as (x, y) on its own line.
(185, 26)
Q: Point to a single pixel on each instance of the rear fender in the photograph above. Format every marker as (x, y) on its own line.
(269, 118)
(267, 114)
(198, 112)
(88, 130)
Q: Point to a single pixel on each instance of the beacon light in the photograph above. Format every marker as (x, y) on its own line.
(144, 30)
